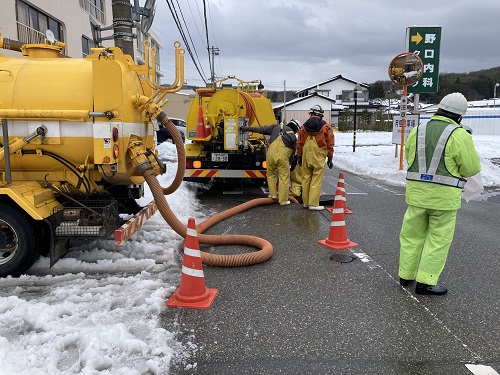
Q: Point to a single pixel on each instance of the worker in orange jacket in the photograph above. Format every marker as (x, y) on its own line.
(315, 142)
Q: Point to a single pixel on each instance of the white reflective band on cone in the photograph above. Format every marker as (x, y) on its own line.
(337, 223)
(192, 271)
(192, 252)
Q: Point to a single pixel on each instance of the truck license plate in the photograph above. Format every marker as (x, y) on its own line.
(217, 156)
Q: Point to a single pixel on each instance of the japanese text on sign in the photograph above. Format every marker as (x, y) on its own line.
(425, 42)
(411, 121)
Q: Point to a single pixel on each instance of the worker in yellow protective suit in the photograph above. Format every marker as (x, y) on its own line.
(435, 179)
(315, 142)
(296, 180)
(296, 174)
(282, 143)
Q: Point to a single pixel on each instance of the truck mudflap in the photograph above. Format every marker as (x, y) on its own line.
(224, 173)
(132, 225)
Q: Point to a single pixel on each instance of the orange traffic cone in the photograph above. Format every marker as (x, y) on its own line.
(192, 292)
(208, 129)
(341, 185)
(200, 127)
(337, 237)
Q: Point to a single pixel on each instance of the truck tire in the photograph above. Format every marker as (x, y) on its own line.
(18, 249)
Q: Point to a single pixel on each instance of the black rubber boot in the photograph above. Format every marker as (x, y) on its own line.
(404, 282)
(436, 290)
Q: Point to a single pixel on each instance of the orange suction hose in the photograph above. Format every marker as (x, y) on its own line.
(181, 153)
(265, 248)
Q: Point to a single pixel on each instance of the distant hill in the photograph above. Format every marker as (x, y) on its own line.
(474, 85)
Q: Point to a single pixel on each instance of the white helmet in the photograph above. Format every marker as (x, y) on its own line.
(316, 110)
(454, 103)
(294, 125)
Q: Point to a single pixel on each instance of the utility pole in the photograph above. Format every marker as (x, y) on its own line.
(215, 52)
(495, 93)
(122, 26)
(283, 120)
(357, 88)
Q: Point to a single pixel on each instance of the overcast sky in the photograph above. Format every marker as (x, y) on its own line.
(306, 42)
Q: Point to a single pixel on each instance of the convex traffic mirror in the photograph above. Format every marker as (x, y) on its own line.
(406, 69)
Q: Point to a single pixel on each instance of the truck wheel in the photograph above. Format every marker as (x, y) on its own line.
(18, 250)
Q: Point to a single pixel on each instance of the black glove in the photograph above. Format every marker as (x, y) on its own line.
(330, 163)
(299, 160)
(244, 129)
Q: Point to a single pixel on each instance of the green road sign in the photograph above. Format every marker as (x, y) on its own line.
(425, 41)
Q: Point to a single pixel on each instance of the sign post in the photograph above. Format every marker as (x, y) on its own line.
(405, 70)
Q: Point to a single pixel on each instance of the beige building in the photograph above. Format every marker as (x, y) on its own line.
(27, 21)
(179, 102)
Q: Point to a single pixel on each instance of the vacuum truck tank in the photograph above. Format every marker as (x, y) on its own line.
(218, 149)
(75, 135)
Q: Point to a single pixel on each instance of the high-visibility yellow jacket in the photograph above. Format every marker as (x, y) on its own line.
(460, 158)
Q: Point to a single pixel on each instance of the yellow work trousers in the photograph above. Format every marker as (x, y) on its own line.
(278, 159)
(425, 239)
(313, 170)
(296, 181)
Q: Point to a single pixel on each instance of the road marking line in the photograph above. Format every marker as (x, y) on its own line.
(481, 369)
(370, 263)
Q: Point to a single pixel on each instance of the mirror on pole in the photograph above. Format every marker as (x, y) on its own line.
(406, 69)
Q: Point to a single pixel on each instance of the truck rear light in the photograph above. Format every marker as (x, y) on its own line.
(197, 164)
(264, 164)
(115, 134)
(116, 151)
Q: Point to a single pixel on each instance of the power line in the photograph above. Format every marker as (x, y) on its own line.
(213, 35)
(210, 63)
(185, 24)
(183, 36)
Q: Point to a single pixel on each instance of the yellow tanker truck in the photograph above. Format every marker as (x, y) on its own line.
(218, 149)
(77, 136)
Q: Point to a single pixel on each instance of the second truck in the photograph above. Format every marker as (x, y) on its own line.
(217, 148)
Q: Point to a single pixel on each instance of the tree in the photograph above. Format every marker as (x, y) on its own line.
(346, 118)
(365, 120)
(376, 90)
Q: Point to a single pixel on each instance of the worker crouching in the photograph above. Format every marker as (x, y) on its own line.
(281, 149)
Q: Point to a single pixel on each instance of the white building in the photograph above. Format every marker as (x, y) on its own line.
(481, 120)
(333, 95)
(27, 21)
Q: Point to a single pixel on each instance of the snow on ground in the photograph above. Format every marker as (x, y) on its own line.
(98, 309)
(380, 161)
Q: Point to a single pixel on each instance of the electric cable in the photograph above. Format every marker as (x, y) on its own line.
(184, 38)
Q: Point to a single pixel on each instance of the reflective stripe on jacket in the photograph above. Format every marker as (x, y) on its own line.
(460, 159)
(429, 165)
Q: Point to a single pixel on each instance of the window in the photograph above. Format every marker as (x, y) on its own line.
(323, 92)
(95, 8)
(155, 45)
(87, 44)
(33, 23)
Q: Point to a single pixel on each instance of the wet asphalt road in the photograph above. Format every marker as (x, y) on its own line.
(303, 313)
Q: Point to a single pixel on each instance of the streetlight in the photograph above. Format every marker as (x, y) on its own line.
(356, 89)
(495, 93)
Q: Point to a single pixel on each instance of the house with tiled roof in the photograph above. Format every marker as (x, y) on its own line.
(333, 95)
